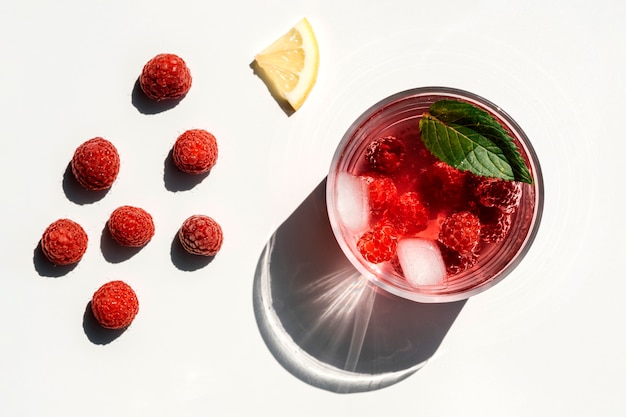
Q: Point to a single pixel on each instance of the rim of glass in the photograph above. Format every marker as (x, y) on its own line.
(423, 295)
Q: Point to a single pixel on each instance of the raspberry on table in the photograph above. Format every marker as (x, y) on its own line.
(461, 232)
(385, 154)
(379, 243)
(201, 235)
(165, 77)
(64, 242)
(495, 192)
(407, 213)
(195, 151)
(115, 305)
(131, 226)
(95, 164)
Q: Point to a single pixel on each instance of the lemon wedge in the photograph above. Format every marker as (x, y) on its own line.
(289, 65)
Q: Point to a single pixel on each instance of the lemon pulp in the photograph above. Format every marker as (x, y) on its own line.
(290, 64)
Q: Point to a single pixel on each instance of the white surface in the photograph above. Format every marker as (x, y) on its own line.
(549, 340)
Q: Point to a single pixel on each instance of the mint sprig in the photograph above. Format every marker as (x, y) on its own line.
(470, 139)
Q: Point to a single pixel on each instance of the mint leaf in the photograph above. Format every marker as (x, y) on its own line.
(470, 139)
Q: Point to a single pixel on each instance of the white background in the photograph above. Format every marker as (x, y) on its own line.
(547, 341)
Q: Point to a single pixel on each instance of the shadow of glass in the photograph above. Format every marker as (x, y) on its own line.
(329, 326)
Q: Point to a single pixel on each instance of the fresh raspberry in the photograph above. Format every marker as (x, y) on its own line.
(165, 77)
(494, 192)
(385, 154)
(64, 242)
(381, 192)
(407, 214)
(115, 305)
(201, 235)
(455, 262)
(195, 151)
(495, 224)
(95, 164)
(131, 226)
(378, 244)
(461, 232)
(445, 184)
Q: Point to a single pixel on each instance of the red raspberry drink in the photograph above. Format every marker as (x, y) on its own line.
(435, 194)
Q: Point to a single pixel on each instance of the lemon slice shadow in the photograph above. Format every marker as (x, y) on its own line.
(271, 87)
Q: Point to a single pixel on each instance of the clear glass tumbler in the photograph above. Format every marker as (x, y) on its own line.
(399, 116)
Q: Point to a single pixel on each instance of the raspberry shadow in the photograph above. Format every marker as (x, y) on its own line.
(97, 334)
(45, 268)
(175, 180)
(112, 251)
(184, 260)
(76, 193)
(146, 105)
(328, 325)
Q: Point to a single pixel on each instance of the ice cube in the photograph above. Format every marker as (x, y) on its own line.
(352, 202)
(421, 261)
